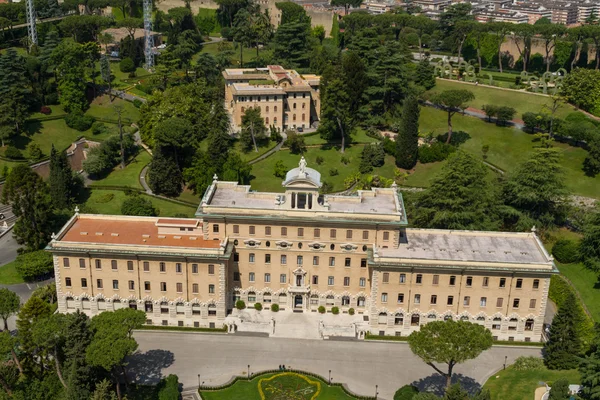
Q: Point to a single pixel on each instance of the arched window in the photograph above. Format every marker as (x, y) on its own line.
(117, 305)
(148, 306)
(267, 110)
(464, 318)
(243, 109)
(212, 310)
(398, 319)
(415, 320)
(267, 119)
(251, 297)
(432, 316)
(382, 318)
(133, 304)
(70, 302)
(85, 303)
(275, 109)
(164, 307)
(267, 298)
(448, 318)
(330, 300)
(345, 300)
(180, 308)
(360, 302)
(195, 309)
(101, 304)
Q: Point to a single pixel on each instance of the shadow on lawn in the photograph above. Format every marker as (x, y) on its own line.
(436, 384)
(146, 368)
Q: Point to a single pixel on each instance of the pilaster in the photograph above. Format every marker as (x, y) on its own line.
(221, 302)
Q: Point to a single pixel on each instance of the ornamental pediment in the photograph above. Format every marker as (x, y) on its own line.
(284, 244)
(348, 247)
(252, 243)
(316, 246)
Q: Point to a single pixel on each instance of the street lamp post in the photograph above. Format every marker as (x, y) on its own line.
(199, 380)
(505, 358)
(248, 371)
(376, 391)
(330, 377)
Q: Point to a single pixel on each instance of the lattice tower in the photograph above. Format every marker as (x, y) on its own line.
(149, 39)
(31, 29)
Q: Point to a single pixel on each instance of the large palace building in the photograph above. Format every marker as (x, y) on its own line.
(301, 250)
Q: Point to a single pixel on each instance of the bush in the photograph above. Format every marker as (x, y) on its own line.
(529, 364)
(127, 65)
(137, 205)
(490, 111)
(51, 99)
(333, 172)
(169, 388)
(274, 307)
(257, 306)
(319, 160)
(13, 152)
(46, 110)
(295, 143)
(389, 146)
(280, 170)
(437, 151)
(504, 114)
(321, 310)
(34, 265)
(137, 103)
(79, 121)
(35, 152)
(351, 311)
(335, 310)
(99, 128)
(566, 251)
(240, 305)
(345, 160)
(406, 392)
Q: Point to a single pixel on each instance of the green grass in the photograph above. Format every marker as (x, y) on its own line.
(101, 202)
(522, 102)
(359, 136)
(586, 283)
(130, 175)
(248, 390)
(189, 196)
(101, 107)
(511, 384)
(56, 110)
(248, 54)
(9, 274)
(251, 155)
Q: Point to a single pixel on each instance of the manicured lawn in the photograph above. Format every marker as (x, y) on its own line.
(110, 201)
(521, 385)
(101, 107)
(423, 174)
(586, 283)
(276, 388)
(359, 136)
(522, 102)
(9, 275)
(56, 110)
(130, 175)
(248, 54)
(189, 196)
(251, 155)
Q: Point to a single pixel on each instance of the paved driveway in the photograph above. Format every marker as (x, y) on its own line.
(361, 365)
(8, 248)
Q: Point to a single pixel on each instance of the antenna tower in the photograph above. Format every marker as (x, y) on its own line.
(149, 42)
(31, 29)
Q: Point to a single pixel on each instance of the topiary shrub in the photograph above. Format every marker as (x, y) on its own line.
(169, 388)
(127, 65)
(438, 151)
(274, 307)
(34, 265)
(99, 128)
(79, 121)
(137, 103)
(319, 160)
(321, 309)
(333, 172)
(240, 304)
(257, 306)
(351, 311)
(529, 364)
(13, 152)
(566, 251)
(406, 392)
(335, 310)
(46, 110)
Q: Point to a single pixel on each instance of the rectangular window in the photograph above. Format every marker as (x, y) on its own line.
(267, 278)
(347, 262)
(236, 257)
(452, 280)
(402, 278)
(211, 289)
(83, 282)
(433, 299)
(147, 286)
(194, 268)
(317, 233)
(532, 303)
(365, 235)
(162, 267)
(68, 282)
(362, 282)
(386, 277)
(115, 284)
(282, 278)
(519, 283)
(346, 281)
(267, 259)
(113, 264)
(536, 283)
(502, 282)
(131, 285)
(251, 277)
(236, 276)
(300, 232)
(215, 228)
(195, 288)
(66, 263)
(129, 265)
(178, 268)
(349, 234)
(163, 286)
(363, 263)
(98, 264)
(332, 234)
(267, 231)
(419, 278)
(400, 298)
(467, 301)
(436, 279)
(332, 261)
(146, 266)
(384, 297)
(483, 302)
(315, 260)
(251, 257)
(251, 229)
(283, 259)
(299, 260)
(386, 236)
(516, 303)
(417, 299)
(236, 229)
(486, 281)
(499, 302)
(81, 263)
(211, 269)
(283, 231)
(469, 281)
(315, 279)
(450, 300)
(99, 283)
(179, 287)
(330, 280)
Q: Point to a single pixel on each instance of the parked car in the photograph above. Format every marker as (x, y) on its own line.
(300, 129)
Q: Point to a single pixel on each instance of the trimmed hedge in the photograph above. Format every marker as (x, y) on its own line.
(566, 251)
(182, 328)
(79, 121)
(274, 307)
(369, 336)
(240, 304)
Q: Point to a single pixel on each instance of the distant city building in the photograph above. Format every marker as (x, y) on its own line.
(502, 15)
(286, 99)
(432, 5)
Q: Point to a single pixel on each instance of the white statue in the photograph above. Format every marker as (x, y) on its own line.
(302, 166)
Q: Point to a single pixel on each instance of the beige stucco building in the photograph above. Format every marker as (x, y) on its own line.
(301, 250)
(286, 99)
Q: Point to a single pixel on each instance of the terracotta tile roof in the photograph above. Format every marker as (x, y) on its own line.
(116, 231)
(169, 221)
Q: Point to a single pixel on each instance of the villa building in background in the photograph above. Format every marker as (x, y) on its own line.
(301, 249)
(286, 99)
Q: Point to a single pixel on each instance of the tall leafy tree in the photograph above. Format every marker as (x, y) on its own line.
(500, 30)
(565, 345)
(450, 343)
(34, 310)
(237, 170)
(292, 44)
(292, 12)
(164, 175)
(346, 4)
(560, 390)
(61, 181)
(356, 81)
(71, 59)
(591, 164)
(78, 373)
(9, 305)
(453, 101)
(335, 113)
(589, 249)
(15, 94)
(589, 368)
(407, 141)
(31, 203)
(522, 36)
(550, 33)
(253, 129)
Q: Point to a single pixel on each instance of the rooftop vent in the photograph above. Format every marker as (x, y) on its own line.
(83, 233)
(176, 237)
(161, 236)
(114, 234)
(145, 236)
(193, 238)
(99, 234)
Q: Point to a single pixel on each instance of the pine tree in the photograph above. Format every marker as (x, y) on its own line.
(78, 373)
(589, 368)
(407, 141)
(564, 345)
(560, 390)
(60, 182)
(15, 93)
(164, 177)
(591, 164)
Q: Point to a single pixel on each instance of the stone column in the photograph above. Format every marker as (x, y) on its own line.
(222, 302)
(374, 292)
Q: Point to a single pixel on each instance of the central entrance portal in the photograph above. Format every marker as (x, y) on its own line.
(298, 301)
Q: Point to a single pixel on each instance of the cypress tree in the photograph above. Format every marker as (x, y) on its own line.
(407, 141)
(61, 182)
(164, 176)
(565, 346)
(589, 368)
(560, 390)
